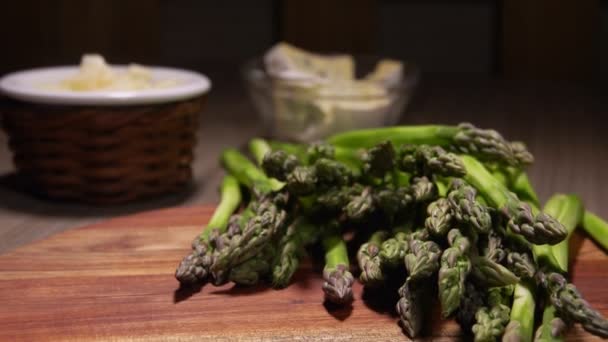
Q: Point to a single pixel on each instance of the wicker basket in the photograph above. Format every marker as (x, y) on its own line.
(103, 154)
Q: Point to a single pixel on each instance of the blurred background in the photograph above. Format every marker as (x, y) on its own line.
(514, 39)
(534, 70)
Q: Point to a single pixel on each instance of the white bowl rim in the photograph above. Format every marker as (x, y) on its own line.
(20, 86)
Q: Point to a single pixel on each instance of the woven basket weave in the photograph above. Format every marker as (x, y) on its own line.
(103, 154)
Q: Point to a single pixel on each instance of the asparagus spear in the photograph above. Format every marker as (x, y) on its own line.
(494, 250)
(492, 319)
(261, 228)
(279, 164)
(466, 208)
(570, 305)
(568, 209)
(455, 267)
(472, 301)
(360, 205)
(193, 267)
(338, 279)
(488, 145)
(521, 264)
(425, 160)
(336, 198)
(369, 259)
(422, 189)
(287, 259)
(421, 262)
(439, 217)
(394, 203)
(379, 159)
(539, 229)
(320, 150)
(332, 173)
(521, 324)
(252, 270)
(305, 179)
(491, 274)
(597, 228)
(410, 307)
(393, 250)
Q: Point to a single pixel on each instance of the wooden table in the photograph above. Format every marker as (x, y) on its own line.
(113, 281)
(562, 124)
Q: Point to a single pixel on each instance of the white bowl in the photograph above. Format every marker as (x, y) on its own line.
(33, 86)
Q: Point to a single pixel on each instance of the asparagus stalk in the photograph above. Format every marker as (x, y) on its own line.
(259, 148)
(552, 327)
(596, 228)
(338, 279)
(230, 199)
(488, 145)
(520, 184)
(521, 324)
(294, 149)
(193, 268)
(568, 210)
(248, 174)
(539, 229)
(369, 259)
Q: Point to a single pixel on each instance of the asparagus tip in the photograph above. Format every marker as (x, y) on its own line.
(338, 285)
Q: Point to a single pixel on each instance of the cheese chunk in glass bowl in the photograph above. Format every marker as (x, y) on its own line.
(302, 96)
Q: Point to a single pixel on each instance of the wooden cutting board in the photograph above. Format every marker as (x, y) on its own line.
(114, 281)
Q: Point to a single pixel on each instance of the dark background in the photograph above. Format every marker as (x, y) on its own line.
(512, 39)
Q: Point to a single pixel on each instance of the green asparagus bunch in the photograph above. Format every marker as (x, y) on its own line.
(465, 223)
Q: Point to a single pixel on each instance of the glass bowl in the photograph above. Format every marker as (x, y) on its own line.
(306, 111)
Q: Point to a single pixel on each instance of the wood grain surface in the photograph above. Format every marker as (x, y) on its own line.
(113, 281)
